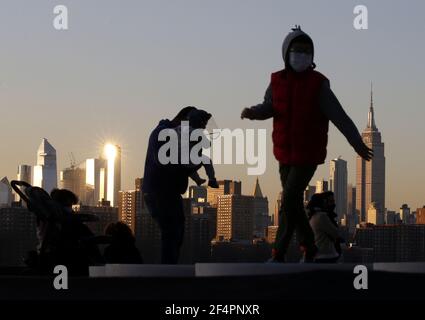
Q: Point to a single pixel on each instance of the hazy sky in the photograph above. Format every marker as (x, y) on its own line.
(123, 65)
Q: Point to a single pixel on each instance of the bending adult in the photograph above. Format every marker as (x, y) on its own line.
(162, 187)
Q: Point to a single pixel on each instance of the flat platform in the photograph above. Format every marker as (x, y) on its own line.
(242, 269)
(222, 282)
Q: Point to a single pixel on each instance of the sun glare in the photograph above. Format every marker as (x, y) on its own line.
(110, 151)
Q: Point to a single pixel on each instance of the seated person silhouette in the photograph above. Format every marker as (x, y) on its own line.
(122, 248)
(72, 244)
(325, 228)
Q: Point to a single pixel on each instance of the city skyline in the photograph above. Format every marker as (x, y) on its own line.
(79, 87)
(110, 160)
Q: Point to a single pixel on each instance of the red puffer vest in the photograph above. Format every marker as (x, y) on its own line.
(300, 129)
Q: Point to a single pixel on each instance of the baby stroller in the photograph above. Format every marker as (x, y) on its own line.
(63, 238)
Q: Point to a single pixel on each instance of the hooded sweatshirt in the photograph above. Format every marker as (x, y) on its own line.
(160, 178)
(328, 103)
(198, 117)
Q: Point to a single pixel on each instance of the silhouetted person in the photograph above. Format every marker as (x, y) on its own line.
(325, 227)
(329, 206)
(163, 186)
(301, 103)
(122, 248)
(72, 240)
(61, 211)
(64, 197)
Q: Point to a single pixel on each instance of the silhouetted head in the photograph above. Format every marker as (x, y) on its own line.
(198, 118)
(328, 201)
(315, 204)
(298, 51)
(120, 233)
(65, 197)
(182, 115)
(324, 201)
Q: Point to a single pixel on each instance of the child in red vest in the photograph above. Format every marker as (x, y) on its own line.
(301, 103)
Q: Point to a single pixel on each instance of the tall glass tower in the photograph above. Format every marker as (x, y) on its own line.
(112, 178)
(370, 175)
(338, 184)
(45, 172)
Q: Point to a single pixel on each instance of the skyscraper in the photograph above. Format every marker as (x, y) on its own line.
(95, 184)
(277, 207)
(74, 179)
(392, 217)
(235, 217)
(45, 172)
(405, 214)
(24, 174)
(261, 211)
(112, 155)
(131, 207)
(351, 199)
(322, 186)
(374, 215)
(211, 214)
(96, 179)
(127, 208)
(370, 175)
(198, 194)
(5, 193)
(420, 215)
(225, 187)
(87, 180)
(352, 215)
(338, 185)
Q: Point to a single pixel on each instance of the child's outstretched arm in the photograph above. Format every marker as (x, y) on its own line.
(262, 111)
(333, 110)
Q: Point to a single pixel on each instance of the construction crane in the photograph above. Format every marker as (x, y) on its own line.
(72, 159)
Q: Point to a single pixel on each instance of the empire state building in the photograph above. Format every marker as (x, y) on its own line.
(370, 175)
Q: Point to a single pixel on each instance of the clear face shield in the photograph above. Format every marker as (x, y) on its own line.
(212, 130)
